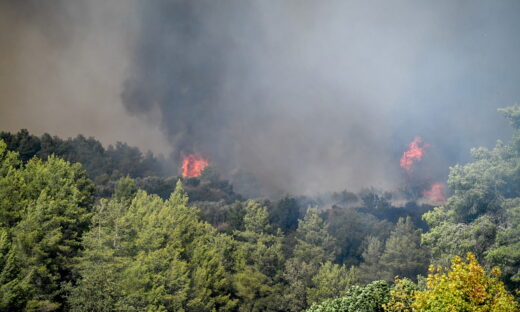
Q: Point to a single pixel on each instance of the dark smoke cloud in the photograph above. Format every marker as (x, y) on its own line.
(313, 95)
(307, 95)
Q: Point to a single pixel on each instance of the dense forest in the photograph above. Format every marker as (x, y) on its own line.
(84, 228)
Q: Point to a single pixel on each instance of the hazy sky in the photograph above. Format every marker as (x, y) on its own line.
(307, 95)
(62, 67)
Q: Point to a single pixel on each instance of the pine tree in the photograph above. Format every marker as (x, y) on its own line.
(156, 255)
(371, 267)
(331, 281)
(403, 255)
(259, 262)
(43, 235)
(314, 246)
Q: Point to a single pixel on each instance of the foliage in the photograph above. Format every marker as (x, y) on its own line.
(401, 296)
(464, 287)
(153, 243)
(46, 209)
(371, 267)
(104, 166)
(506, 250)
(401, 254)
(482, 214)
(351, 228)
(331, 281)
(259, 259)
(285, 214)
(201, 190)
(370, 298)
(155, 255)
(314, 247)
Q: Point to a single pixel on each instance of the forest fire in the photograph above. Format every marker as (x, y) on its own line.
(193, 165)
(435, 193)
(414, 154)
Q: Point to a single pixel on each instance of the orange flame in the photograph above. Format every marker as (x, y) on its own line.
(192, 165)
(414, 154)
(435, 193)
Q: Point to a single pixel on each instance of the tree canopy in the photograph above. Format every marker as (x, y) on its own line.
(84, 228)
(482, 215)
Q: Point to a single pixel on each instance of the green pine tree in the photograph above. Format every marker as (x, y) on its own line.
(314, 246)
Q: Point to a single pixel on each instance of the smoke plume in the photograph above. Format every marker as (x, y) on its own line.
(307, 96)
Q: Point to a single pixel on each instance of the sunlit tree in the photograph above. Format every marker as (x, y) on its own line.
(465, 286)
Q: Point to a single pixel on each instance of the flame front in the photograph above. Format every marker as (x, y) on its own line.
(414, 154)
(193, 165)
(435, 193)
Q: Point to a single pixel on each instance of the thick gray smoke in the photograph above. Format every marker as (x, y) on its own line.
(313, 95)
(318, 95)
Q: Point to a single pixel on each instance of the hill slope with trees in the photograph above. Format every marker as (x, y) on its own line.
(141, 238)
